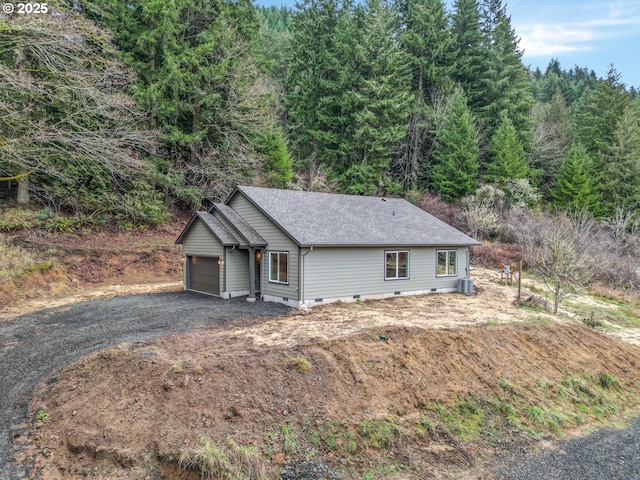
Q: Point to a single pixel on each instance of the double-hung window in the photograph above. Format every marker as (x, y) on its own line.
(397, 265)
(279, 267)
(447, 263)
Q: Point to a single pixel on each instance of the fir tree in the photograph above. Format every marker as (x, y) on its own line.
(621, 182)
(428, 43)
(382, 97)
(574, 187)
(430, 50)
(599, 114)
(470, 70)
(321, 80)
(455, 157)
(506, 86)
(508, 159)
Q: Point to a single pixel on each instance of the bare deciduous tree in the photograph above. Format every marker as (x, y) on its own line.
(562, 266)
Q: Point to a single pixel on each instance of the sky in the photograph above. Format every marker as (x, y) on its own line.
(586, 33)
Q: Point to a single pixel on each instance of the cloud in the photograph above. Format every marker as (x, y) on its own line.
(612, 21)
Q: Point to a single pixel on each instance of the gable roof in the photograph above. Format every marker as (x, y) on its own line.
(246, 231)
(328, 219)
(214, 225)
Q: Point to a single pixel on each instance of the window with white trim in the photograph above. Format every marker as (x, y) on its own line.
(279, 267)
(447, 263)
(396, 265)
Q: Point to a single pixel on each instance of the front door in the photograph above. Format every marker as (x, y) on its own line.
(258, 258)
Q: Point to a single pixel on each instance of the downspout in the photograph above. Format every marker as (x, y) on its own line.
(301, 275)
(468, 264)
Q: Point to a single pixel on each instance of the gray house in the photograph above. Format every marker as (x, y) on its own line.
(307, 248)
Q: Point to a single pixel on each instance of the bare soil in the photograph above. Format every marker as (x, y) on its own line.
(128, 411)
(78, 267)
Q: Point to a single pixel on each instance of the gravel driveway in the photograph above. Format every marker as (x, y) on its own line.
(606, 454)
(33, 345)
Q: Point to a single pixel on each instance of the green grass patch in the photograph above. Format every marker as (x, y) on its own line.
(229, 462)
(379, 434)
(621, 313)
(334, 436)
(289, 437)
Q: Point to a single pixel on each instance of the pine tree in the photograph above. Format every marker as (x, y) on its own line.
(574, 187)
(508, 159)
(455, 157)
(278, 165)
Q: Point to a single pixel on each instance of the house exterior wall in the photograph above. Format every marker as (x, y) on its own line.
(200, 242)
(277, 241)
(237, 264)
(332, 274)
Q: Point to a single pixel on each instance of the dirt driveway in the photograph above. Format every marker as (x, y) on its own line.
(35, 344)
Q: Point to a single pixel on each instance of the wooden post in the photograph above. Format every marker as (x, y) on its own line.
(519, 279)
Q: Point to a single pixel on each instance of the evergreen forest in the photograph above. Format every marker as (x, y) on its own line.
(128, 110)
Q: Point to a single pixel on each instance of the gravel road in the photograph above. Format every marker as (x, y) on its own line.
(31, 346)
(609, 453)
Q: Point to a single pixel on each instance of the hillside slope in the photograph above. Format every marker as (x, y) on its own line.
(56, 269)
(422, 387)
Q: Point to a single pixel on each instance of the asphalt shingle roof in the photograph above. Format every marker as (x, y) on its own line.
(243, 228)
(215, 226)
(327, 219)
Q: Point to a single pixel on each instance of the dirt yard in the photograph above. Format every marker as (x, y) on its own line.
(309, 386)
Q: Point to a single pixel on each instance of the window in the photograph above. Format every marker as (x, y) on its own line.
(397, 265)
(279, 267)
(447, 265)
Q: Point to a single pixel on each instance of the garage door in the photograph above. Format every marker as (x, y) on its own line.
(204, 275)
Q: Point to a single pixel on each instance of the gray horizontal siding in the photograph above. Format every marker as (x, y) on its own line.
(238, 270)
(200, 241)
(343, 272)
(276, 240)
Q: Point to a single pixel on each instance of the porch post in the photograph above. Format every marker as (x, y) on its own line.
(252, 275)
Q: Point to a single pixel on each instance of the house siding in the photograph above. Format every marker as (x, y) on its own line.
(238, 272)
(277, 241)
(331, 273)
(199, 241)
